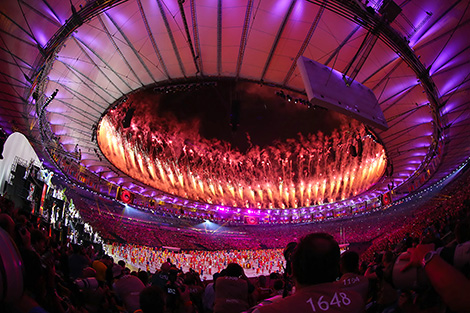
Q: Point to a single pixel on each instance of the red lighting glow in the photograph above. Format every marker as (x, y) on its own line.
(304, 170)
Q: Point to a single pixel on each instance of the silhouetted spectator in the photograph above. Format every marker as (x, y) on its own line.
(315, 267)
(152, 300)
(77, 262)
(232, 290)
(127, 288)
(351, 279)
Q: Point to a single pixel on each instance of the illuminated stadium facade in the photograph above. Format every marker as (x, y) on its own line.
(198, 107)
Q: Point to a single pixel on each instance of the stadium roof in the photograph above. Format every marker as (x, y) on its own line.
(63, 64)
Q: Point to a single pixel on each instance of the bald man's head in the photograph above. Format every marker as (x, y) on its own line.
(316, 259)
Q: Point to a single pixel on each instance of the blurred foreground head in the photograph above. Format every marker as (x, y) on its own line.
(315, 259)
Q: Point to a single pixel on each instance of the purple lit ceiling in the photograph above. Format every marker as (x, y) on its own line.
(94, 53)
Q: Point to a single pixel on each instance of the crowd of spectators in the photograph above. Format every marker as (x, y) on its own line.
(115, 224)
(60, 276)
(359, 229)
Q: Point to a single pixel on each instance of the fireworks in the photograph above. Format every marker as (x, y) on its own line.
(299, 172)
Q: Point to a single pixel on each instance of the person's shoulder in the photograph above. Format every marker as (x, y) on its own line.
(323, 297)
(349, 279)
(131, 279)
(263, 303)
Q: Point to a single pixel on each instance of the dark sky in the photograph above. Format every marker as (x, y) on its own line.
(262, 114)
